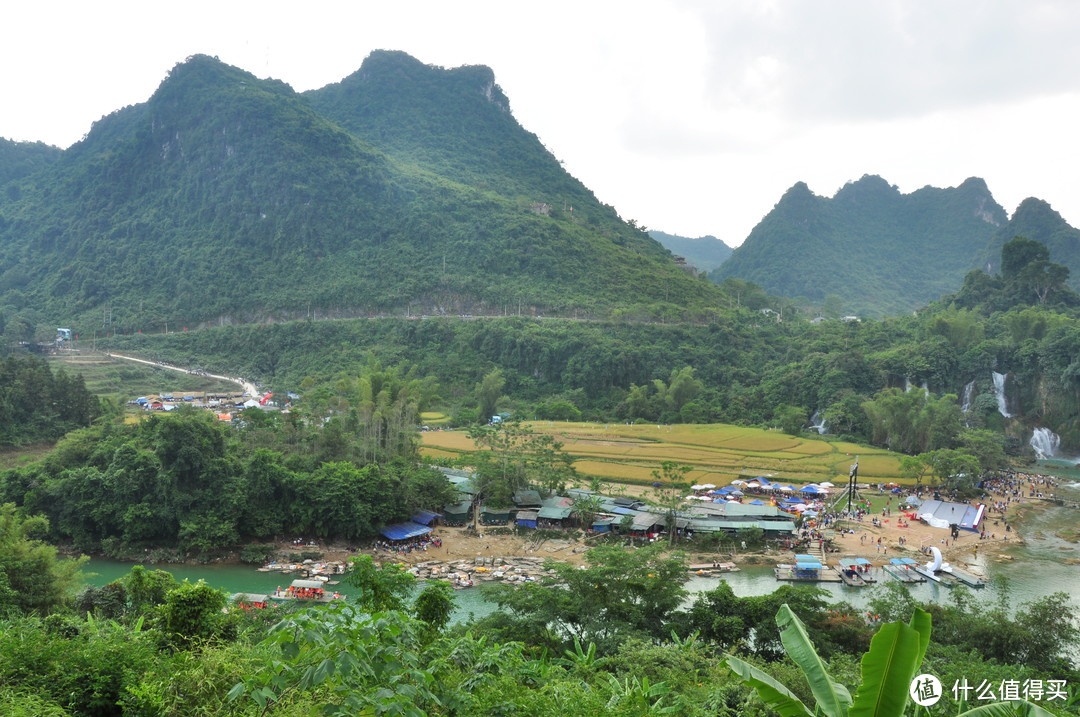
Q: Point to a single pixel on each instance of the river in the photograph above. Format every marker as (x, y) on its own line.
(1037, 569)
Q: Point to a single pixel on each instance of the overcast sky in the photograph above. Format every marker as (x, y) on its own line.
(692, 117)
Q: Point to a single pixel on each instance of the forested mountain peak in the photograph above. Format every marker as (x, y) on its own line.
(876, 249)
(869, 188)
(393, 68)
(1036, 219)
(457, 123)
(226, 197)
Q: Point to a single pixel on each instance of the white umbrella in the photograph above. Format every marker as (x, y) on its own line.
(799, 507)
(826, 484)
(707, 486)
(752, 484)
(738, 482)
(697, 487)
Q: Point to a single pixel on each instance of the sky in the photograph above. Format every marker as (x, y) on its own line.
(692, 117)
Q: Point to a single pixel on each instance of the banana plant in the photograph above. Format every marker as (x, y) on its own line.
(888, 667)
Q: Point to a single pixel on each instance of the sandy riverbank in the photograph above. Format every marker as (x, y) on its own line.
(459, 544)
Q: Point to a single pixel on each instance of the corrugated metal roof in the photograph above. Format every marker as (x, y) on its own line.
(553, 513)
(645, 520)
(526, 515)
(526, 497)
(458, 508)
(777, 526)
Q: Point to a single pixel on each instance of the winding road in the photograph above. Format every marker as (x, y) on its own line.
(247, 386)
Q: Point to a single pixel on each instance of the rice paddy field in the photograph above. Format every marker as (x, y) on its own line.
(716, 453)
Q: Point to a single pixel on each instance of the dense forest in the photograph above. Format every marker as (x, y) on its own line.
(39, 404)
(750, 366)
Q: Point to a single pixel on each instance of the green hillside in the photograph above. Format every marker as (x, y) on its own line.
(1035, 219)
(228, 198)
(19, 159)
(880, 251)
(704, 253)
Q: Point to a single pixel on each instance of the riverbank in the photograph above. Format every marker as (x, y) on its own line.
(459, 544)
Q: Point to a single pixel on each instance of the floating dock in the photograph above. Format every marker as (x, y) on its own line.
(902, 569)
(939, 577)
(965, 577)
(863, 566)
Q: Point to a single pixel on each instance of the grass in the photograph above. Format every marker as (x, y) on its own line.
(717, 453)
(24, 455)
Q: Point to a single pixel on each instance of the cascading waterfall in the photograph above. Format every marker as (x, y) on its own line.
(907, 384)
(1045, 442)
(968, 397)
(819, 424)
(999, 393)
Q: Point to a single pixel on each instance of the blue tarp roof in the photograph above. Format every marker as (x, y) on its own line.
(902, 561)
(401, 531)
(425, 517)
(804, 558)
(808, 565)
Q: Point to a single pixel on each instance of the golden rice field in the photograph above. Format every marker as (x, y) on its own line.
(716, 453)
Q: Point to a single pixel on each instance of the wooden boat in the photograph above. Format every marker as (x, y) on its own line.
(711, 569)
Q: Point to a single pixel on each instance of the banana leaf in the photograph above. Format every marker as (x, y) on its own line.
(920, 620)
(833, 699)
(773, 693)
(887, 670)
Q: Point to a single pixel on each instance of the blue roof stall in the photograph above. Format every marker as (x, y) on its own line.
(404, 531)
(425, 517)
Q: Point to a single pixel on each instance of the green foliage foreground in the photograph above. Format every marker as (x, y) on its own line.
(146, 645)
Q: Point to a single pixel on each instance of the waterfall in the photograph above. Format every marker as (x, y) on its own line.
(1045, 442)
(819, 424)
(968, 397)
(999, 392)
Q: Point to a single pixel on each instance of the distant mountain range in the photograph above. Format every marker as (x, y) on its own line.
(404, 188)
(703, 253)
(877, 251)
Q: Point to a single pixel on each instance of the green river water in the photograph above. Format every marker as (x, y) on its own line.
(1037, 569)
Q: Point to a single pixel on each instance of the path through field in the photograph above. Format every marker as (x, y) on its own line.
(248, 387)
